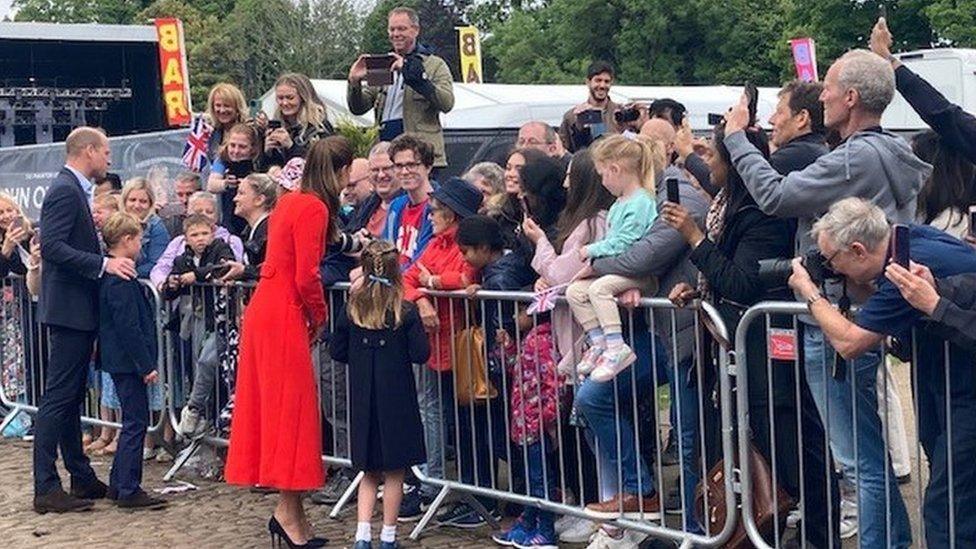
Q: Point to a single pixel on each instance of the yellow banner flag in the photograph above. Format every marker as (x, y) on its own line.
(470, 47)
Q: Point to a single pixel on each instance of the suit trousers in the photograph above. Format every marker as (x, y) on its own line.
(126, 475)
(58, 421)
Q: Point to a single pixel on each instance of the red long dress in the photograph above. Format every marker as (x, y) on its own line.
(275, 436)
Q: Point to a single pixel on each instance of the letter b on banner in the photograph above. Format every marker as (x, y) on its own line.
(169, 37)
(469, 44)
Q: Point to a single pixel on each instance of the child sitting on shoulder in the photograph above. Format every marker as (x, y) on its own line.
(628, 165)
(127, 342)
(380, 337)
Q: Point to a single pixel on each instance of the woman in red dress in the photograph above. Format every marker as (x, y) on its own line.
(276, 438)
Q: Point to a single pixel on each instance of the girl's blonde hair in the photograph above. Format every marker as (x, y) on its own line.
(139, 184)
(231, 94)
(312, 111)
(244, 129)
(108, 200)
(640, 154)
(4, 197)
(382, 294)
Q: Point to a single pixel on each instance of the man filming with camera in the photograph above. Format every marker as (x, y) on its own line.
(869, 163)
(593, 118)
(858, 243)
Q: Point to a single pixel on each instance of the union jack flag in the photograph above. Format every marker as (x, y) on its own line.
(545, 300)
(195, 150)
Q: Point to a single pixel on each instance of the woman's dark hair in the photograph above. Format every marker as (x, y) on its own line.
(586, 197)
(512, 207)
(738, 194)
(542, 182)
(953, 180)
(480, 230)
(320, 177)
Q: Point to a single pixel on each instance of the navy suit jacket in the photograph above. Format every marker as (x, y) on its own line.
(126, 333)
(71, 257)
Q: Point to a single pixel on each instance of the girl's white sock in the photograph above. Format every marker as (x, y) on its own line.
(363, 532)
(388, 534)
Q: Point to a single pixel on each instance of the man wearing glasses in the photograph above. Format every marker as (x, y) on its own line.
(408, 221)
(372, 212)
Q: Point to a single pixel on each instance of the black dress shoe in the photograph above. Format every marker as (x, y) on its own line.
(141, 500)
(92, 490)
(60, 502)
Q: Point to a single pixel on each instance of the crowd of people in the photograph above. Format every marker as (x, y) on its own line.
(620, 202)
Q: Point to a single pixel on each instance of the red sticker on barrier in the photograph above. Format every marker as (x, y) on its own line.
(782, 344)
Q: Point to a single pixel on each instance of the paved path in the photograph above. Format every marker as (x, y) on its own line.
(216, 515)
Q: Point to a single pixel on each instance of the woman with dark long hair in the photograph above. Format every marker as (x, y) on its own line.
(276, 437)
(946, 196)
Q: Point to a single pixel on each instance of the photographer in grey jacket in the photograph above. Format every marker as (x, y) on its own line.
(869, 163)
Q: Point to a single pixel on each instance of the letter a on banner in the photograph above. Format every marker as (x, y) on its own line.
(173, 71)
(469, 44)
(804, 59)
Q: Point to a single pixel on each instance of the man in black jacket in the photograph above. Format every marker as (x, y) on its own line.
(956, 127)
(72, 264)
(798, 127)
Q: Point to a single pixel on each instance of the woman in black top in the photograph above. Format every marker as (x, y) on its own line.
(737, 236)
(255, 198)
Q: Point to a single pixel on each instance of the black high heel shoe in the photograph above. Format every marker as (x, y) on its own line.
(280, 538)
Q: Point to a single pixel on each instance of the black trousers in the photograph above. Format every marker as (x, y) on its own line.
(58, 421)
(126, 476)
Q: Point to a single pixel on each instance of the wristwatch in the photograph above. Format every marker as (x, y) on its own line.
(817, 296)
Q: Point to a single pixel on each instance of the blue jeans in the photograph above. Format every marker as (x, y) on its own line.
(542, 484)
(838, 406)
(434, 390)
(684, 405)
(608, 408)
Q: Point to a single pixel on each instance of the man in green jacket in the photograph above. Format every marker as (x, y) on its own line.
(422, 87)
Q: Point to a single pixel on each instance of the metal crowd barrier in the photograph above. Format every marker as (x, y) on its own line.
(24, 357)
(867, 437)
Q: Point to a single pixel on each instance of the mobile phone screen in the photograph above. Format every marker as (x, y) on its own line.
(901, 252)
(672, 189)
(972, 220)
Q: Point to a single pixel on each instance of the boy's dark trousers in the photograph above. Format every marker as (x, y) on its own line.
(126, 476)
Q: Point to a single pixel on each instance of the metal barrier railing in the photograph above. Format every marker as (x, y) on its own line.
(861, 434)
(24, 357)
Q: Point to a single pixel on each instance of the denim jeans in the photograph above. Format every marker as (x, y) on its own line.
(434, 390)
(542, 485)
(684, 424)
(608, 408)
(863, 460)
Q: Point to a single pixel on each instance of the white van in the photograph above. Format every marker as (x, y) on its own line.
(952, 71)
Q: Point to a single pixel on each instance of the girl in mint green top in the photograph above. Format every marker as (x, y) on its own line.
(627, 166)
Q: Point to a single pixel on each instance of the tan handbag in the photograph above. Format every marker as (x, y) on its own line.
(471, 381)
(762, 502)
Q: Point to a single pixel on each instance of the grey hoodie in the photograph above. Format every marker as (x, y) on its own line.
(877, 166)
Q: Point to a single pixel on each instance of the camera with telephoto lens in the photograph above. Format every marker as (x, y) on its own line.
(774, 273)
(626, 116)
(350, 243)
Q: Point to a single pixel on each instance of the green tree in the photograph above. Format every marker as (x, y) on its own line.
(954, 21)
(79, 11)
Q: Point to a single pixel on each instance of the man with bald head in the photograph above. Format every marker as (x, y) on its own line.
(360, 185)
(540, 136)
(72, 263)
(658, 129)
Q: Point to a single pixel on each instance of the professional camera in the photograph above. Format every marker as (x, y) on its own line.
(774, 273)
(627, 115)
(350, 243)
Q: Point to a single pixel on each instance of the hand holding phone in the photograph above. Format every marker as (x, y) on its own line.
(753, 94)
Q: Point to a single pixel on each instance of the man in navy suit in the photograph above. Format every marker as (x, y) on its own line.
(72, 263)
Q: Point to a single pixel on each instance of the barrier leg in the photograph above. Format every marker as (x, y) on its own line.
(431, 512)
(480, 509)
(181, 459)
(353, 487)
(8, 419)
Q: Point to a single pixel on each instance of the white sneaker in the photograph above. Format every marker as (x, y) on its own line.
(190, 423)
(563, 523)
(575, 529)
(848, 519)
(793, 518)
(613, 361)
(149, 453)
(628, 540)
